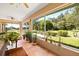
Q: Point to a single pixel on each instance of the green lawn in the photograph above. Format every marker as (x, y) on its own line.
(72, 41)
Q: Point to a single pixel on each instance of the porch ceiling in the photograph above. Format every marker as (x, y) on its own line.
(18, 11)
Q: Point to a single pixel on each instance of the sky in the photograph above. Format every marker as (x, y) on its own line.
(55, 15)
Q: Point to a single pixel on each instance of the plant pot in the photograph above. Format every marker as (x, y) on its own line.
(30, 40)
(27, 39)
(24, 36)
(46, 40)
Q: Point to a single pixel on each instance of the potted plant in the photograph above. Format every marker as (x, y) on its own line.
(13, 37)
(34, 36)
(24, 36)
(29, 36)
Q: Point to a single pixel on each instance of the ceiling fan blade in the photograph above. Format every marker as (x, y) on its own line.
(26, 5)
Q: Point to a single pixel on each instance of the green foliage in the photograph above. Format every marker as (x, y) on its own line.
(34, 31)
(48, 33)
(2, 33)
(52, 33)
(63, 33)
(65, 21)
(2, 36)
(71, 41)
(12, 36)
(36, 25)
(49, 25)
(40, 25)
(29, 36)
(61, 25)
(34, 37)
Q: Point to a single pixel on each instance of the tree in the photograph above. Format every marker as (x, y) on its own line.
(65, 21)
(72, 19)
(36, 25)
(62, 22)
(49, 25)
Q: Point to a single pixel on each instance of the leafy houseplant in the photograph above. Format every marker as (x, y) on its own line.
(13, 37)
(29, 36)
(34, 37)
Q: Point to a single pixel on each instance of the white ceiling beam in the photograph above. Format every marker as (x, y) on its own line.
(9, 21)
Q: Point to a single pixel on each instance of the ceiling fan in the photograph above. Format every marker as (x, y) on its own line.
(25, 4)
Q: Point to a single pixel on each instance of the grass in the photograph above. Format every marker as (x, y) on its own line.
(71, 41)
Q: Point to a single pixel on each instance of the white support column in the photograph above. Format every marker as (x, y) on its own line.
(21, 29)
(2, 27)
(44, 23)
(45, 27)
(30, 25)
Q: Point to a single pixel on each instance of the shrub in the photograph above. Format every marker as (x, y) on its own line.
(63, 33)
(48, 32)
(52, 33)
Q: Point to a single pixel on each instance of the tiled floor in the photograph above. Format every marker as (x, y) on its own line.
(25, 48)
(21, 43)
(34, 50)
